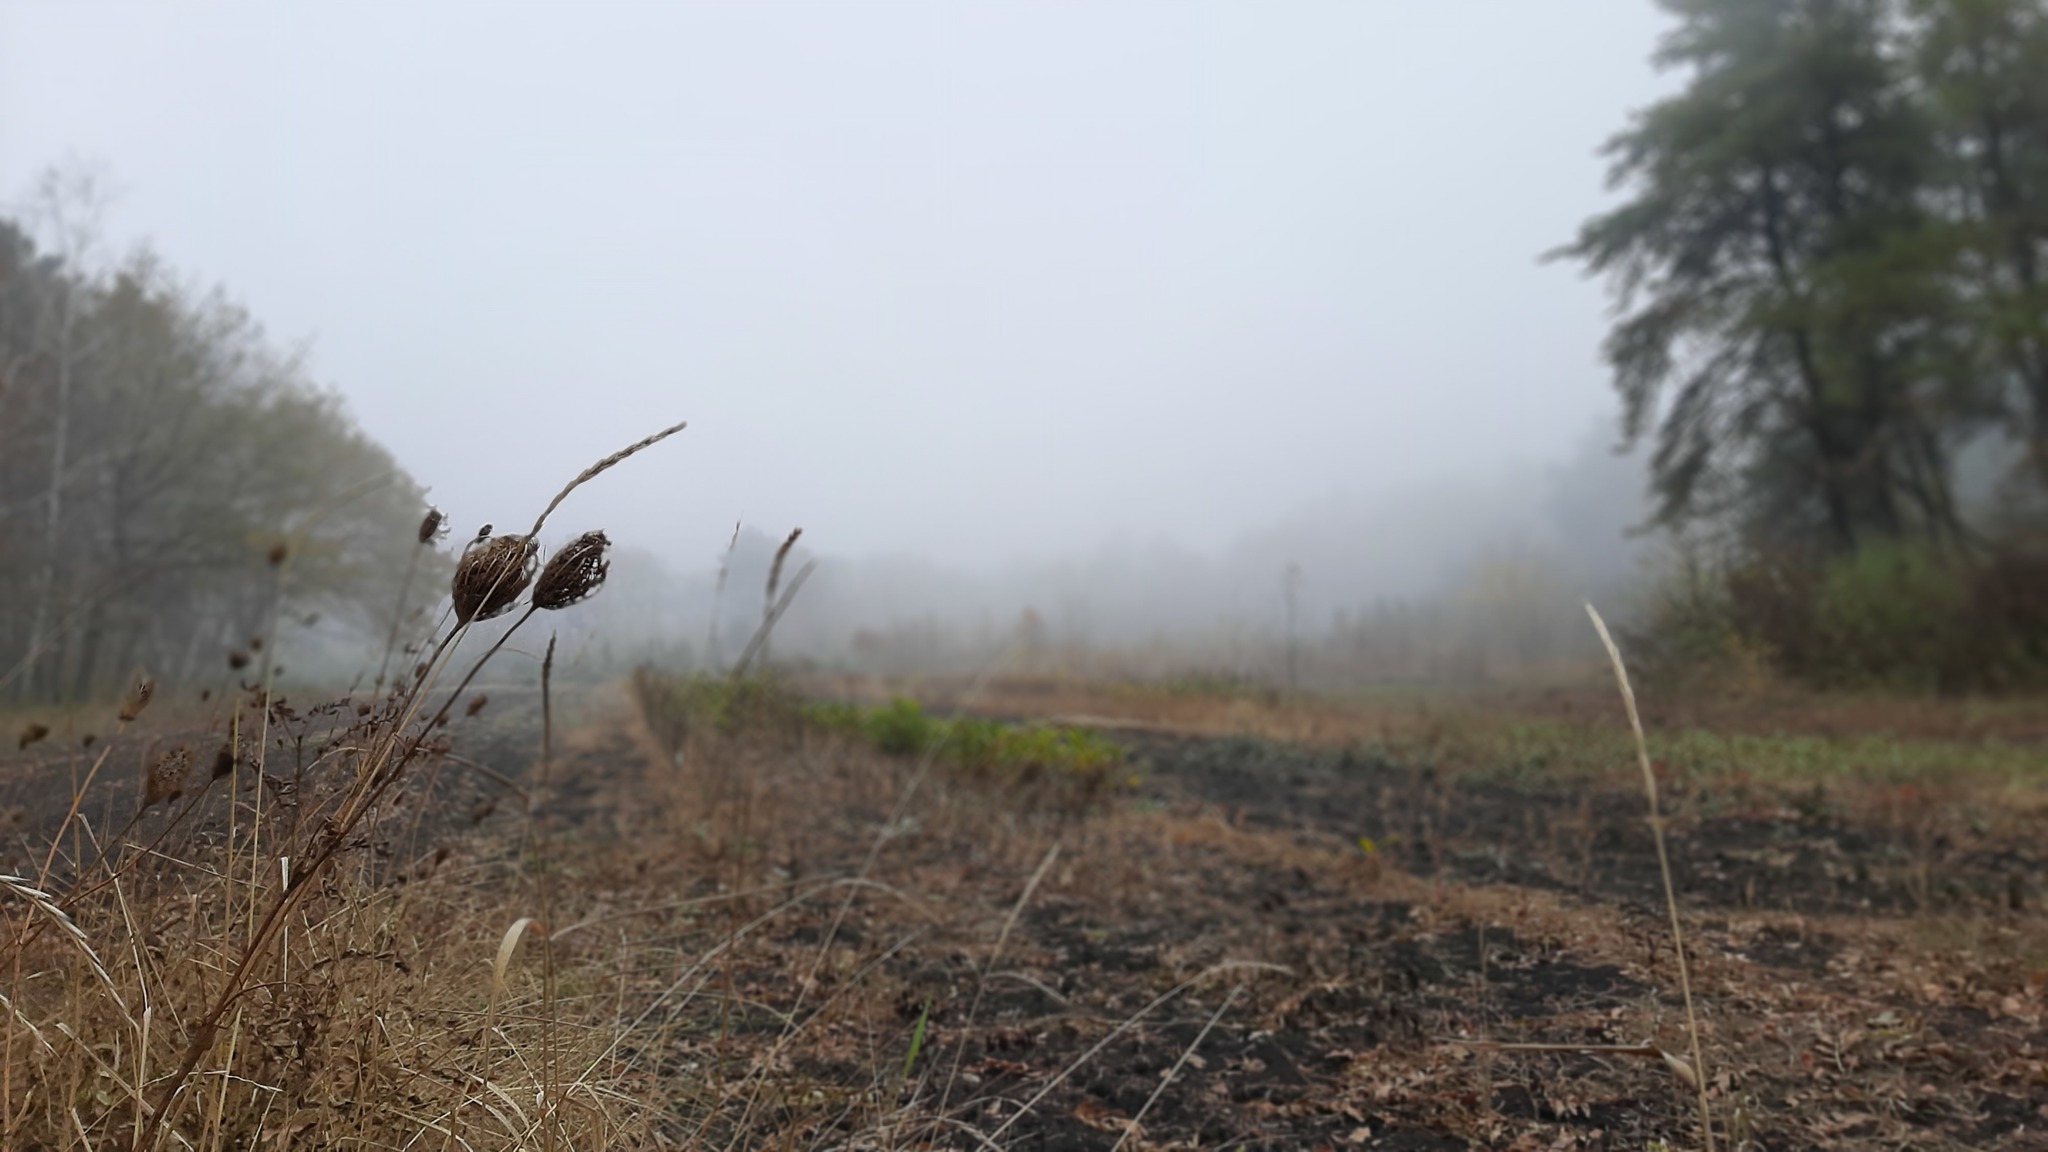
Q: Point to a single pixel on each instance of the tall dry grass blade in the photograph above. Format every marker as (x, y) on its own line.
(592, 472)
(1129, 1022)
(775, 580)
(1137, 1122)
(42, 902)
(760, 641)
(1635, 723)
(25, 1022)
(432, 528)
(718, 594)
(995, 953)
(506, 945)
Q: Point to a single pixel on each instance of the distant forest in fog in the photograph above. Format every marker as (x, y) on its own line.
(158, 450)
(1473, 579)
(160, 461)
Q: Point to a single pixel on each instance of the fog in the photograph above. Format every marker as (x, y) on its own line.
(1111, 312)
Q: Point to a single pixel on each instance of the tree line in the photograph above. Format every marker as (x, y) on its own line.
(1830, 271)
(1831, 267)
(164, 466)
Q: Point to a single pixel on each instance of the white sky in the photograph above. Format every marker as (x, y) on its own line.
(972, 280)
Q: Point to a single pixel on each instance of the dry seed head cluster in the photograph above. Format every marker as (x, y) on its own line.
(167, 776)
(491, 575)
(574, 573)
(138, 698)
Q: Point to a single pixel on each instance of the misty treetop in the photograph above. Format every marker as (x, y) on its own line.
(155, 450)
(1829, 265)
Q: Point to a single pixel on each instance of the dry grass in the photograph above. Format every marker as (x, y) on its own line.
(270, 949)
(755, 933)
(253, 925)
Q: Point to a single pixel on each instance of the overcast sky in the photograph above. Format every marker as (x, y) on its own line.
(973, 280)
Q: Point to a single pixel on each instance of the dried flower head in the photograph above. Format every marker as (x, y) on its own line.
(573, 574)
(32, 733)
(167, 776)
(138, 698)
(490, 577)
(434, 526)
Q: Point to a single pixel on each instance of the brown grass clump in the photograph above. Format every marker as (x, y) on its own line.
(574, 573)
(490, 577)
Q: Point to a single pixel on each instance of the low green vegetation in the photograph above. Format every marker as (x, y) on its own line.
(902, 727)
(1539, 749)
(1057, 755)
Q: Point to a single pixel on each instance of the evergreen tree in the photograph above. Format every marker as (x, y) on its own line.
(1786, 323)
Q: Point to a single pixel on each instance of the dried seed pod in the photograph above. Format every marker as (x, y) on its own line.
(32, 733)
(167, 776)
(434, 526)
(490, 577)
(573, 574)
(138, 698)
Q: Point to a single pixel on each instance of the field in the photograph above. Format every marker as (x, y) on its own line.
(727, 916)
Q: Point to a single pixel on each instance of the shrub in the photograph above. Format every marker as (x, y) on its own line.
(900, 728)
(1896, 617)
